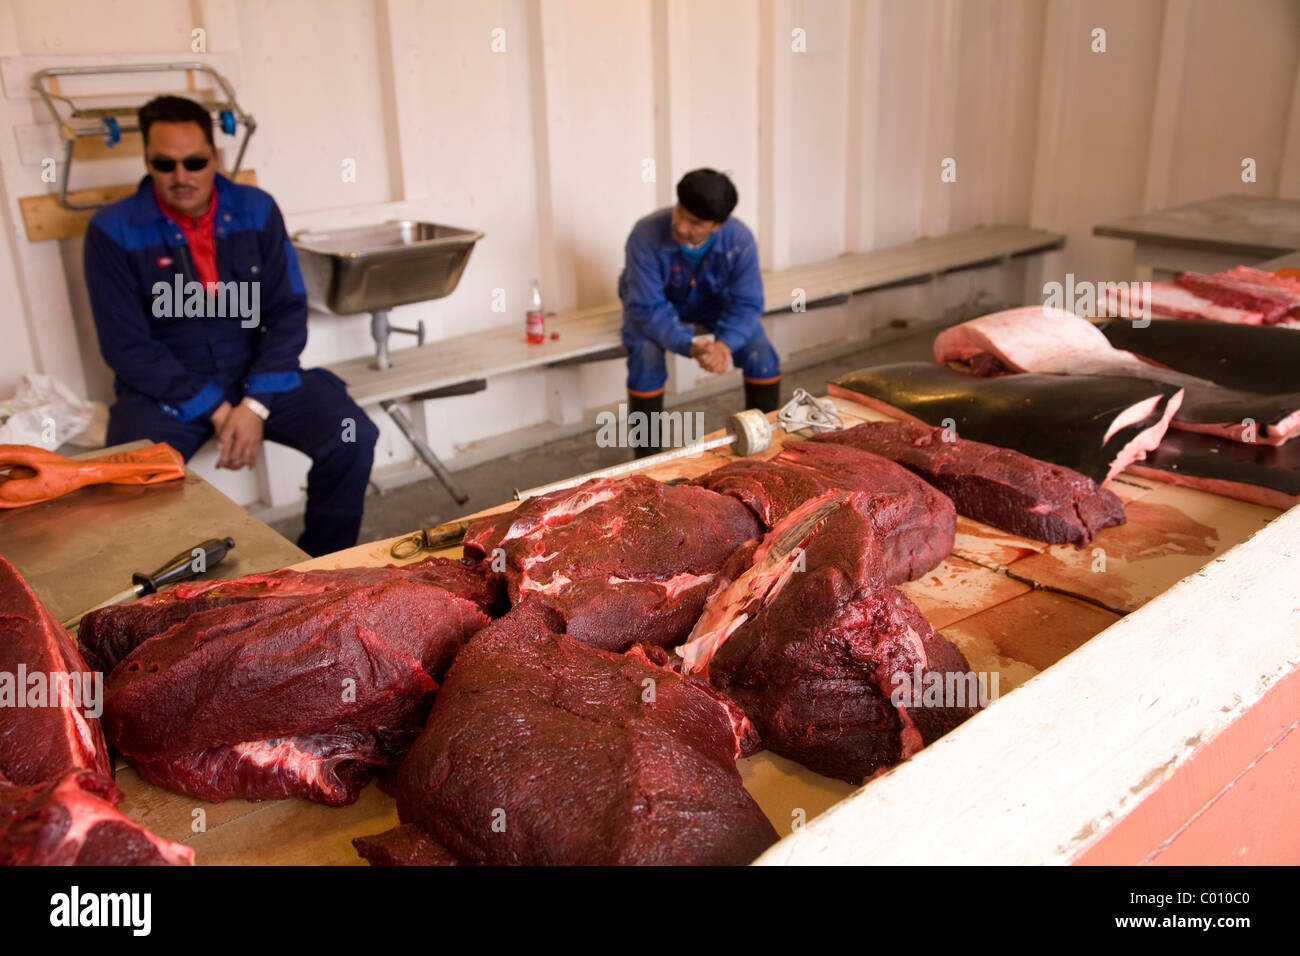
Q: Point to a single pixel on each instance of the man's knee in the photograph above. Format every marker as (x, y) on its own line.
(355, 446)
(136, 421)
(365, 434)
(758, 359)
(647, 369)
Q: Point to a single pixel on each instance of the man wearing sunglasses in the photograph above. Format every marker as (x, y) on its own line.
(201, 313)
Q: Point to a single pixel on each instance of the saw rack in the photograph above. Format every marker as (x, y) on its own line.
(111, 121)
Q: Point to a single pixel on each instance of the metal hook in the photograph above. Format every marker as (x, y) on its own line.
(817, 415)
(407, 547)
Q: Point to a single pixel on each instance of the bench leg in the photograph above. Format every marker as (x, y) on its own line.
(424, 451)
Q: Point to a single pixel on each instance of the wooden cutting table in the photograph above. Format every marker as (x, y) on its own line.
(1118, 685)
(82, 548)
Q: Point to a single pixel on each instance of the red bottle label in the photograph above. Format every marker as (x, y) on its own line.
(535, 324)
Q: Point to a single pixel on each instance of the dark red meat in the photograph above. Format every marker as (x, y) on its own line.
(405, 845)
(108, 635)
(623, 561)
(543, 750)
(73, 820)
(1273, 302)
(998, 486)
(324, 768)
(348, 673)
(57, 797)
(810, 640)
(44, 742)
(915, 523)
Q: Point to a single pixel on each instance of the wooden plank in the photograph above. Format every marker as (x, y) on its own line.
(295, 832)
(47, 218)
(990, 547)
(492, 352)
(503, 350)
(1254, 822)
(1036, 628)
(1021, 637)
(171, 815)
(958, 589)
(1171, 532)
(46, 539)
(39, 141)
(787, 793)
(94, 147)
(923, 256)
(920, 258)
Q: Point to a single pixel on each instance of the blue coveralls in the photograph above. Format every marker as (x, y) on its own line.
(171, 373)
(663, 296)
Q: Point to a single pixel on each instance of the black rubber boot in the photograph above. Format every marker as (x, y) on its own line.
(649, 407)
(766, 398)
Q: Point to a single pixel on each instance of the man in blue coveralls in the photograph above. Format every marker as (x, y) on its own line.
(692, 264)
(201, 313)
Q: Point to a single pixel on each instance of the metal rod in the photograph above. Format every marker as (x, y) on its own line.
(689, 451)
(424, 451)
(63, 186)
(122, 68)
(379, 332)
(822, 416)
(70, 135)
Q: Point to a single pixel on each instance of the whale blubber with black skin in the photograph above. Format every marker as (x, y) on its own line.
(1057, 418)
(1246, 357)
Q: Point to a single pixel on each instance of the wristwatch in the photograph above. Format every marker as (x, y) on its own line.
(256, 407)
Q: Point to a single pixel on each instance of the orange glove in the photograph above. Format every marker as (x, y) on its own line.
(30, 475)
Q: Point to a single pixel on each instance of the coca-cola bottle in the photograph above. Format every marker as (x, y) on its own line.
(535, 320)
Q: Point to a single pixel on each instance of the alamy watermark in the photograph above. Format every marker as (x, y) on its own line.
(622, 429)
(950, 689)
(1125, 300)
(220, 300)
(25, 688)
(129, 910)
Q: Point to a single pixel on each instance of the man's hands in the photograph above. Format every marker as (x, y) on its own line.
(712, 356)
(239, 435)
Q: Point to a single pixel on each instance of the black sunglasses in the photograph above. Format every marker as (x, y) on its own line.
(164, 164)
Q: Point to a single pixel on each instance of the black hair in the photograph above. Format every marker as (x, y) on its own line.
(175, 109)
(707, 194)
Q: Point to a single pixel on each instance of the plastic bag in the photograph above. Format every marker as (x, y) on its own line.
(45, 413)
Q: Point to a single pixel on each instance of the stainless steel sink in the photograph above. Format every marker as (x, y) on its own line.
(374, 268)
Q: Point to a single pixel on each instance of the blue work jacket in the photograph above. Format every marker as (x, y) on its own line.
(663, 295)
(189, 364)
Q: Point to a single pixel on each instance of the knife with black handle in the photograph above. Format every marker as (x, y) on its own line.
(198, 559)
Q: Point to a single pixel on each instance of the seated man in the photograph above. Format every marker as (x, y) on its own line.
(694, 265)
(202, 314)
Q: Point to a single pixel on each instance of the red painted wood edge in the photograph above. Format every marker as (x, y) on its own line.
(1236, 801)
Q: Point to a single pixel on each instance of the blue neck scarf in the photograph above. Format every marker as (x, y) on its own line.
(696, 256)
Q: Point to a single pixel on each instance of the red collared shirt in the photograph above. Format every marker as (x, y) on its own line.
(198, 233)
